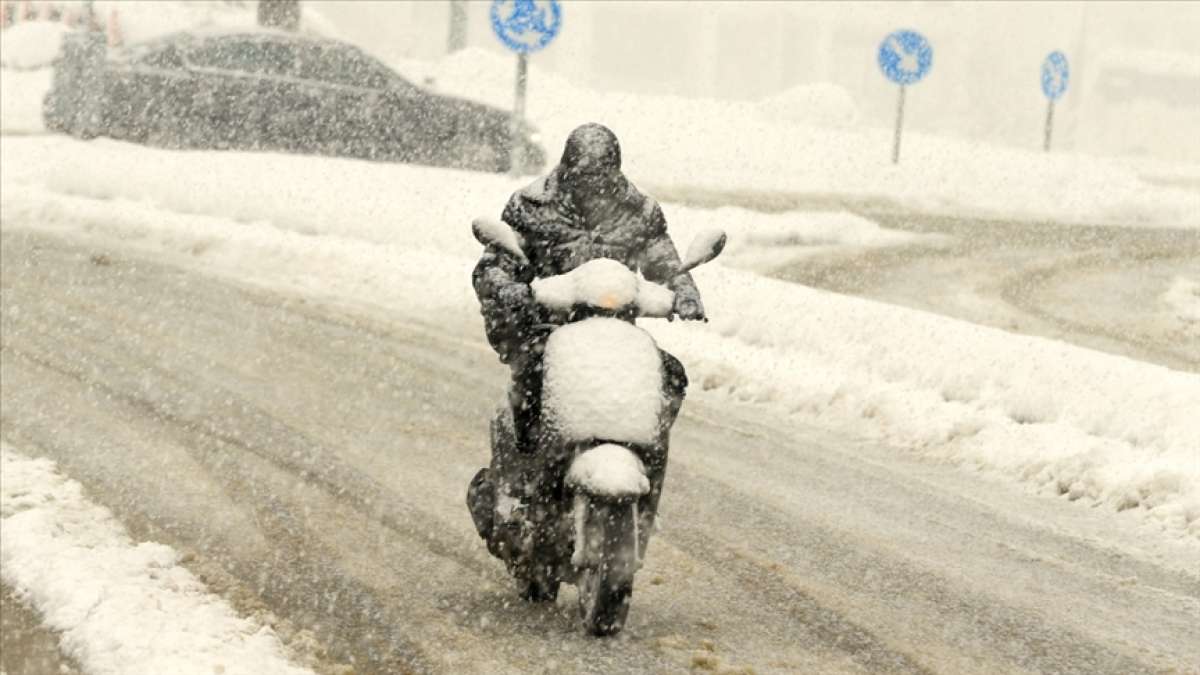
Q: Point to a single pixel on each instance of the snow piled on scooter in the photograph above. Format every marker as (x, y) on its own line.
(603, 283)
(603, 381)
(609, 470)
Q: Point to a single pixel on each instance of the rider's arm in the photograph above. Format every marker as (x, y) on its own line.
(659, 262)
(502, 285)
(501, 282)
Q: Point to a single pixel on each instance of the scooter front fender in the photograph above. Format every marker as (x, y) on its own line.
(609, 472)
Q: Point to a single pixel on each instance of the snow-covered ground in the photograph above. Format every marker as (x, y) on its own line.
(1108, 431)
(21, 93)
(120, 606)
(32, 44)
(1183, 301)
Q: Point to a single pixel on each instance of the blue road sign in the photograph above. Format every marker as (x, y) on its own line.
(526, 26)
(905, 57)
(1055, 75)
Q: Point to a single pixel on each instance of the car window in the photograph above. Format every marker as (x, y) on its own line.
(261, 57)
(336, 64)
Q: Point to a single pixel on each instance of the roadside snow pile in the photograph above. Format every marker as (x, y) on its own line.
(378, 202)
(729, 146)
(21, 94)
(120, 607)
(821, 104)
(1084, 424)
(30, 45)
(764, 242)
(1094, 427)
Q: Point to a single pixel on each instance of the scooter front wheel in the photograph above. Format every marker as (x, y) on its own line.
(606, 587)
(603, 602)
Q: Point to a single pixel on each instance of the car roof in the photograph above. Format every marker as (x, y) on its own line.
(197, 36)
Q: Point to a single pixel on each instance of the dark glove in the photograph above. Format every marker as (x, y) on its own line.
(514, 297)
(689, 308)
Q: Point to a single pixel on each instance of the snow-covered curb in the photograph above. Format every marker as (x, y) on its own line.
(121, 607)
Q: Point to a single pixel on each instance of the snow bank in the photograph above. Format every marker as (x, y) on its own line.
(21, 94)
(674, 142)
(1107, 430)
(379, 203)
(121, 607)
(763, 242)
(821, 104)
(31, 44)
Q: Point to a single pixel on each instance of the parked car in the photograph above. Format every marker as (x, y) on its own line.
(266, 90)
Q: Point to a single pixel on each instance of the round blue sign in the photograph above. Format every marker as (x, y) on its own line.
(526, 25)
(905, 57)
(1055, 75)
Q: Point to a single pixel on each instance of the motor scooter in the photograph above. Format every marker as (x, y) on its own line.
(579, 507)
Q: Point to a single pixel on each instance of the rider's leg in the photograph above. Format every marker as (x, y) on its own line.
(481, 502)
(675, 384)
(525, 394)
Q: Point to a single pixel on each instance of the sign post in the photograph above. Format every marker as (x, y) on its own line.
(1056, 74)
(524, 26)
(905, 57)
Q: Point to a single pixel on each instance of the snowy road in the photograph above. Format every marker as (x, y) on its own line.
(310, 461)
(1098, 287)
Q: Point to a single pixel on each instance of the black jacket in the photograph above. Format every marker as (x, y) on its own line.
(626, 226)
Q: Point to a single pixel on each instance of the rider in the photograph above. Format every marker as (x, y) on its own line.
(584, 209)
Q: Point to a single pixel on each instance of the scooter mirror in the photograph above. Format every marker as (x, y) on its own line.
(706, 246)
(492, 232)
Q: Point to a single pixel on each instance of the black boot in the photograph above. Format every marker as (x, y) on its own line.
(481, 502)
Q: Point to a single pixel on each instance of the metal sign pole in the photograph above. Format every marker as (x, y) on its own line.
(905, 57)
(517, 150)
(1049, 124)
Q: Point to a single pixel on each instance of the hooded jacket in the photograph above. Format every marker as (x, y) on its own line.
(563, 229)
